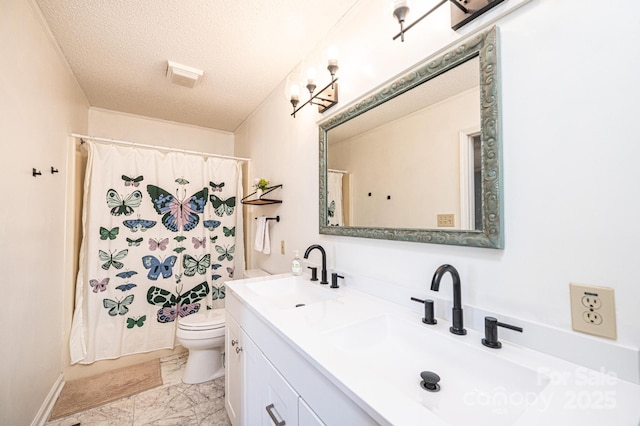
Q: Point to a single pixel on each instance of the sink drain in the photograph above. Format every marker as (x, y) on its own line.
(430, 381)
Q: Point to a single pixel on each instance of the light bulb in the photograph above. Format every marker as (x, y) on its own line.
(332, 55)
(400, 3)
(311, 74)
(294, 91)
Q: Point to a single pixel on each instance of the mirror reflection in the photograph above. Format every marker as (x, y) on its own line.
(419, 150)
(420, 158)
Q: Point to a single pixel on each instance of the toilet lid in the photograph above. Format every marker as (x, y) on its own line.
(203, 320)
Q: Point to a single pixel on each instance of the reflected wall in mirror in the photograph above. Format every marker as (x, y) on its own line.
(419, 160)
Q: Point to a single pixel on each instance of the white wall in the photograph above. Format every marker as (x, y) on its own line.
(40, 104)
(569, 79)
(134, 128)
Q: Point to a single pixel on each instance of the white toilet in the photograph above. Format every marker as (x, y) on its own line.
(202, 334)
(253, 273)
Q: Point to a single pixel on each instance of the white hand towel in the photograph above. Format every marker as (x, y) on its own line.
(267, 241)
(261, 224)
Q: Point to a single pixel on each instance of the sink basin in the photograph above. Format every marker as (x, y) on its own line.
(476, 387)
(291, 292)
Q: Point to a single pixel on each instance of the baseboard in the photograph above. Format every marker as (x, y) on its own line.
(49, 402)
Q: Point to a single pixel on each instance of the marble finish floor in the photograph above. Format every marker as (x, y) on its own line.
(174, 403)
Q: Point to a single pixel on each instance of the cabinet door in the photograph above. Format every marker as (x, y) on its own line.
(234, 372)
(306, 417)
(255, 382)
(280, 403)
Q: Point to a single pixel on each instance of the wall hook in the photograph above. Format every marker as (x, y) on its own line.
(53, 170)
(36, 172)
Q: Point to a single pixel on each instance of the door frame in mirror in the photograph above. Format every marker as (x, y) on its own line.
(483, 45)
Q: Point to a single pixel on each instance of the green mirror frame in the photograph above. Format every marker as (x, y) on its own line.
(483, 45)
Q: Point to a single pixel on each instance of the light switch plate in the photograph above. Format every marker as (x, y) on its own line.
(593, 310)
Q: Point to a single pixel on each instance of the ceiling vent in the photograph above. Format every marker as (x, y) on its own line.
(183, 75)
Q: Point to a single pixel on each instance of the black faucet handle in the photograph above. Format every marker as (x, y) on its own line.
(429, 317)
(314, 273)
(334, 280)
(491, 332)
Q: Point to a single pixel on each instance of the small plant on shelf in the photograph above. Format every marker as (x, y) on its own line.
(262, 187)
(260, 183)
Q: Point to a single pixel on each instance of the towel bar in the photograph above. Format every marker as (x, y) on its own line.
(277, 218)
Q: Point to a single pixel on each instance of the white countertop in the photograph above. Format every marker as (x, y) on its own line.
(559, 392)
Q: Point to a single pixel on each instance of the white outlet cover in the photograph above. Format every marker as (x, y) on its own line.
(593, 310)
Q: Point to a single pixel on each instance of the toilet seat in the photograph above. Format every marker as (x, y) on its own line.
(208, 320)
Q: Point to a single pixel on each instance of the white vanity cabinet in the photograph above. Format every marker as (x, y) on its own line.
(256, 393)
(306, 416)
(234, 372)
(268, 382)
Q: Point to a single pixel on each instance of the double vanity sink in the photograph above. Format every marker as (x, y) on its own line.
(289, 292)
(374, 351)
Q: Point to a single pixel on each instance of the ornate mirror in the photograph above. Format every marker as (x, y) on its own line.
(420, 159)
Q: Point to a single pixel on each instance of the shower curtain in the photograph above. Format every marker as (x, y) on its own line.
(334, 199)
(159, 240)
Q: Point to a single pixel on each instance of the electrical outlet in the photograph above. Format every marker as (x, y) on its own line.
(445, 220)
(593, 310)
(281, 246)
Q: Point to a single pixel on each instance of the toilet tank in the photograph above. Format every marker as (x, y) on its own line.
(253, 273)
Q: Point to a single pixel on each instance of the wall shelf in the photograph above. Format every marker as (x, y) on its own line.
(262, 201)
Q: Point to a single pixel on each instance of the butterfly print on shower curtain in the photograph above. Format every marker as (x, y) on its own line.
(99, 285)
(129, 181)
(136, 225)
(177, 306)
(124, 206)
(158, 267)
(178, 215)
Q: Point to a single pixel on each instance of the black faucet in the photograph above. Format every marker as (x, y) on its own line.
(458, 322)
(324, 261)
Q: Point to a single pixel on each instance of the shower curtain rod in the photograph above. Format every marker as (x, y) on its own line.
(164, 148)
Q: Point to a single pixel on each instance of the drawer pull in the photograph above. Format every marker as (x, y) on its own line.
(270, 409)
(234, 342)
(238, 349)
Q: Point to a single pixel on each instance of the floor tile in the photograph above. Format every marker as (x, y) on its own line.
(115, 413)
(174, 403)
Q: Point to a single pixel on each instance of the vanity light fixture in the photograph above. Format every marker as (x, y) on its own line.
(462, 12)
(326, 97)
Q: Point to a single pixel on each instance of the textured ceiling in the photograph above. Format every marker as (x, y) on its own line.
(118, 51)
